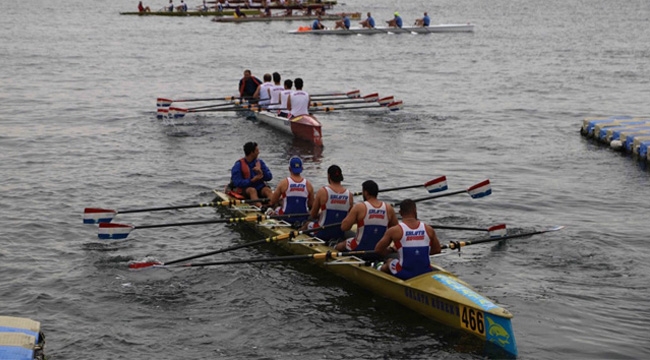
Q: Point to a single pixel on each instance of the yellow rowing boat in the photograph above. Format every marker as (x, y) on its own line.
(438, 295)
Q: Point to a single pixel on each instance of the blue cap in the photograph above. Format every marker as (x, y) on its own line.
(296, 165)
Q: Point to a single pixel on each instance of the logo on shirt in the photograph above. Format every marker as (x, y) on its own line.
(411, 235)
(338, 199)
(297, 187)
(376, 214)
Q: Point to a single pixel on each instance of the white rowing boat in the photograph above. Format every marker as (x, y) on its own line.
(442, 28)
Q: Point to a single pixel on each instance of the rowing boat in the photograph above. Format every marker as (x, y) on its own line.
(443, 28)
(282, 18)
(193, 13)
(305, 127)
(438, 295)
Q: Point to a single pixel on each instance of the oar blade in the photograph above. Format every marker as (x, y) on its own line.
(163, 102)
(111, 231)
(497, 230)
(385, 101)
(480, 190)
(353, 94)
(436, 185)
(144, 265)
(177, 112)
(371, 97)
(98, 215)
(396, 105)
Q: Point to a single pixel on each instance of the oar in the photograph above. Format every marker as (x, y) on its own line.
(458, 244)
(115, 231)
(476, 191)
(224, 98)
(316, 256)
(366, 98)
(349, 94)
(232, 103)
(99, 215)
(394, 106)
(494, 231)
(432, 186)
(289, 235)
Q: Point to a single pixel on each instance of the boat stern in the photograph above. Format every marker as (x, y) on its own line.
(307, 127)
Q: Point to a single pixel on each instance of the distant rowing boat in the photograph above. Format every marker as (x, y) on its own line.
(283, 18)
(193, 13)
(443, 28)
(438, 295)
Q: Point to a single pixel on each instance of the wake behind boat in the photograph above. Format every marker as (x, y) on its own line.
(442, 28)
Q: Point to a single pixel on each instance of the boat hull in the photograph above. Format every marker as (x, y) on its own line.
(438, 295)
(305, 127)
(443, 28)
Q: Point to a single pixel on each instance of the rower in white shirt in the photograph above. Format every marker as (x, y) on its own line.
(275, 91)
(262, 93)
(284, 98)
(298, 102)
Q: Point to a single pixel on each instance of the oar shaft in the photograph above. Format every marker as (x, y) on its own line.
(210, 204)
(318, 256)
(251, 218)
(435, 196)
(457, 228)
(455, 245)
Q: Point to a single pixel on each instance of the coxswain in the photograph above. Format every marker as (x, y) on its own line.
(249, 174)
(373, 217)
(332, 204)
(262, 94)
(413, 241)
(296, 193)
(248, 85)
(298, 101)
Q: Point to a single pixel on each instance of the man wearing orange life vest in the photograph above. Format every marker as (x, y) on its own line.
(249, 174)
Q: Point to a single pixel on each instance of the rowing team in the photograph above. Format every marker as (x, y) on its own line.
(377, 225)
(272, 95)
(369, 22)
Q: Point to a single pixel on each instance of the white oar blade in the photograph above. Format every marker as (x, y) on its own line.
(371, 97)
(497, 230)
(110, 231)
(97, 215)
(436, 185)
(480, 190)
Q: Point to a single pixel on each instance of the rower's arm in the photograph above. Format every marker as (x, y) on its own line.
(434, 243)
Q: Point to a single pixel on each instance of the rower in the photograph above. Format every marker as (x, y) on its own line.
(298, 101)
(238, 13)
(373, 218)
(262, 93)
(296, 192)
(248, 85)
(170, 7)
(284, 98)
(369, 22)
(332, 204)
(182, 7)
(249, 176)
(142, 8)
(344, 23)
(317, 24)
(424, 22)
(275, 91)
(396, 22)
(413, 242)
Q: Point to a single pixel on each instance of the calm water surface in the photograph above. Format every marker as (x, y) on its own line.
(78, 87)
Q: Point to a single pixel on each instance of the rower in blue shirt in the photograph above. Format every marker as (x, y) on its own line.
(317, 25)
(396, 22)
(369, 22)
(344, 23)
(425, 21)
